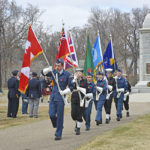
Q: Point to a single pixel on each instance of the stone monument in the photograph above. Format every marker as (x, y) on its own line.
(144, 58)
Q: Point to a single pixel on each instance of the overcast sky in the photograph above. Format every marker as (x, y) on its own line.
(76, 12)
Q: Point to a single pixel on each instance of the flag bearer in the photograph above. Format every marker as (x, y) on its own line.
(91, 93)
(77, 99)
(110, 89)
(56, 104)
(101, 90)
(126, 96)
(119, 94)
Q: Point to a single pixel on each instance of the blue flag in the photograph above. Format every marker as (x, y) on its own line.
(109, 58)
(97, 54)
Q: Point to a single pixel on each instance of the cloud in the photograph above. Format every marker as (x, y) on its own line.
(76, 12)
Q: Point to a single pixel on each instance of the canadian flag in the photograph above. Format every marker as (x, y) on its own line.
(32, 50)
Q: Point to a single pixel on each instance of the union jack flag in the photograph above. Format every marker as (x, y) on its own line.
(63, 48)
(71, 59)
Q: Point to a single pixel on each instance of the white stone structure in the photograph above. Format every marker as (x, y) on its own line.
(144, 59)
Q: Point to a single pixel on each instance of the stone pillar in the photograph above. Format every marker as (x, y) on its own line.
(144, 54)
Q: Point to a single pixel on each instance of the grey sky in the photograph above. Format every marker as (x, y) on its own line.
(76, 12)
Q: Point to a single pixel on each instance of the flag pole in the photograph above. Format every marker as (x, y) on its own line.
(101, 69)
(113, 51)
(46, 58)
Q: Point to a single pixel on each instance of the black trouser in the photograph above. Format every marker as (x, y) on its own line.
(126, 103)
(76, 110)
(13, 105)
(107, 105)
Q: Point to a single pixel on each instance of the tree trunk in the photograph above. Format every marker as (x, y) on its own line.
(0, 74)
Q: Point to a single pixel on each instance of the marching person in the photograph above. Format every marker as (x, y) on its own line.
(126, 95)
(77, 99)
(119, 93)
(34, 93)
(13, 95)
(91, 93)
(101, 90)
(110, 88)
(62, 86)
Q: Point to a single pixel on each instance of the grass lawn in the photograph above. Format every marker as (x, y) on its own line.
(132, 136)
(23, 119)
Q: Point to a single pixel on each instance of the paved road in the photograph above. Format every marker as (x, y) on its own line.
(40, 135)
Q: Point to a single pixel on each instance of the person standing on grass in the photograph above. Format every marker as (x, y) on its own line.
(13, 95)
(34, 93)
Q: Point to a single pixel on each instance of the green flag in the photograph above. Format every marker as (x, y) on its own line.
(88, 65)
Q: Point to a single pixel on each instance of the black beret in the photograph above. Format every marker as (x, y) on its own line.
(34, 74)
(14, 72)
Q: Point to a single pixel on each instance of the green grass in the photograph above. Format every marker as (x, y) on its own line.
(132, 136)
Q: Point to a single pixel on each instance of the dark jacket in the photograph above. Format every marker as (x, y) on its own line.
(13, 85)
(34, 89)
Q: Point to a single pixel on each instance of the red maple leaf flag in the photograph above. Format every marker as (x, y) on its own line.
(32, 50)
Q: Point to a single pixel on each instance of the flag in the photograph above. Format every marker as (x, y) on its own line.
(88, 65)
(97, 55)
(63, 48)
(32, 50)
(109, 57)
(71, 59)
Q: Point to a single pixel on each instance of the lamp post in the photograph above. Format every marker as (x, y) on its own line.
(1, 26)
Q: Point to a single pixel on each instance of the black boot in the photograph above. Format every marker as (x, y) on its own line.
(57, 138)
(127, 114)
(107, 121)
(78, 131)
(118, 118)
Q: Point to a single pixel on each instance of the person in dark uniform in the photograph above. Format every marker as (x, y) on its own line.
(77, 99)
(111, 86)
(126, 95)
(90, 96)
(34, 93)
(101, 87)
(13, 95)
(62, 85)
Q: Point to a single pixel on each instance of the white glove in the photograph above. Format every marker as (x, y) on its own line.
(120, 90)
(110, 87)
(83, 90)
(47, 70)
(100, 89)
(126, 94)
(115, 77)
(89, 95)
(74, 79)
(66, 91)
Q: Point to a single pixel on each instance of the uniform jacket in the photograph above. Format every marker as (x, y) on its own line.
(34, 89)
(13, 85)
(112, 82)
(64, 80)
(102, 83)
(92, 89)
(75, 95)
